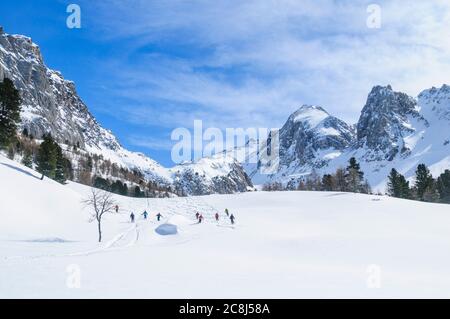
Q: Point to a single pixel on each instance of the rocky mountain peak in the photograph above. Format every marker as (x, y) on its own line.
(385, 120)
(50, 104)
(310, 130)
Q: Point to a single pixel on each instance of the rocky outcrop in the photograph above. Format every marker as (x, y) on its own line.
(310, 132)
(49, 103)
(385, 120)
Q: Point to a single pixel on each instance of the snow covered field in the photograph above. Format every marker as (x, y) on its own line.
(284, 245)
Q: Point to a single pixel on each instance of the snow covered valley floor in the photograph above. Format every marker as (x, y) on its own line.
(284, 245)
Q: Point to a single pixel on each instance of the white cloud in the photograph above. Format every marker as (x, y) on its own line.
(254, 62)
(156, 144)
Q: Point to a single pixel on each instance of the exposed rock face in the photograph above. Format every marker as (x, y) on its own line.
(50, 104)
(309, 131)
(385, 120)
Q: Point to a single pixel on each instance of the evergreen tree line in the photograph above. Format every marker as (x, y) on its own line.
(425, 188)
(9, 114)
(47, 157)
(349, 179)
(91, 169)
(51, 162)
(122, 188)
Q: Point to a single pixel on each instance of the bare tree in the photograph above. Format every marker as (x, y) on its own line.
(101, 203)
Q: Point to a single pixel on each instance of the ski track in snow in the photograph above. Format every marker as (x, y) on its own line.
(186, 207)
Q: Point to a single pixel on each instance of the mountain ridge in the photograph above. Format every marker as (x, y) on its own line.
(51, 104)
(394, 130)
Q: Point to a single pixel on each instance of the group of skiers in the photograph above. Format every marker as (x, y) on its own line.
(198, 216)
(145, 214)
(216, 216)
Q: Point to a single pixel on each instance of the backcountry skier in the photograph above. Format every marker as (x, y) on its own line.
(232, 219)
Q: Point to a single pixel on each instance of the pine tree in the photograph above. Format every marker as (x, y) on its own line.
(354, 165)
(47, 157)
(392, 188)
(341, 183)
(431, 193)
(64, 169)
(101, 183)
(51, 161)
(424, 180)
(137, 191)
(124, 191)
(354, 176)
(398, 186)
(9, 112)
(327, 182)
(27, 159)
(443, 186)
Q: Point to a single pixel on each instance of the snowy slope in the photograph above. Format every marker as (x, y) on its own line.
(288, 244)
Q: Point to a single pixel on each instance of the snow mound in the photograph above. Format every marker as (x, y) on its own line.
(166, 229)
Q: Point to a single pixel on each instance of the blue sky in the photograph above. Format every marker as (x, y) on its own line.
(145, 68)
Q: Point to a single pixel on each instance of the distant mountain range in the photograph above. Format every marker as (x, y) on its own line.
(394, 130)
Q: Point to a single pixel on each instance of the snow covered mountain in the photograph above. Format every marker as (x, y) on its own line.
(394, 131)
(386, 120)
(310, 139)
(313, 137)
(50, 104)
